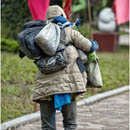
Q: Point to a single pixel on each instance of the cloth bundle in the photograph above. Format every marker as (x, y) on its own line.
(26, 39)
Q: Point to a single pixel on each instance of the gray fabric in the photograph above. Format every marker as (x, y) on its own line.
(47, 115)
(26, 39)
(69, 112)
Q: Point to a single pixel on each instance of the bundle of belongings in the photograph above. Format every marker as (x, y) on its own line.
(26, 39)
(45, 44)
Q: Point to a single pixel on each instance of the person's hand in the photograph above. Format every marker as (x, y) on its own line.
(94, 46)
(77, 23)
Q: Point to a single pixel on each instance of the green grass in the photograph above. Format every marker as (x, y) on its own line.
(17, 83)
(17, 80)
(9, 45)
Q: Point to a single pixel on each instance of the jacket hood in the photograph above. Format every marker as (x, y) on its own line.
(54, 11)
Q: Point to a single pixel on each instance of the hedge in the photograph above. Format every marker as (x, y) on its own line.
(9, 45)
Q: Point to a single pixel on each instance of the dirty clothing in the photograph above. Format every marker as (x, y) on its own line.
(26, 39)
(69, 80)
(48, 113)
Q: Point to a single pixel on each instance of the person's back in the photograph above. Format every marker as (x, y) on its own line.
(69, 82)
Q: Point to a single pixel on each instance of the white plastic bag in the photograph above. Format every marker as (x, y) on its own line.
(94, 75)
(106, 20)
(48, 38)
(106, 15)
(107, 27)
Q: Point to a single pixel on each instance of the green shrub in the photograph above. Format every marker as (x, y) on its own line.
(85, 31)
(17, 83)
(13, 15)
(9, 45)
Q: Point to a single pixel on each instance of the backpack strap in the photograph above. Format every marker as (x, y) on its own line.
(62, 38)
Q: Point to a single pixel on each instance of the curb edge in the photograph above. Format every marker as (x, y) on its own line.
(36, 115)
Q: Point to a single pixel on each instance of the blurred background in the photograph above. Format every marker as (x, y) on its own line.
(106, 21)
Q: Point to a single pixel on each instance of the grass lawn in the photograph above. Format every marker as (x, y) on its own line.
(17, 80)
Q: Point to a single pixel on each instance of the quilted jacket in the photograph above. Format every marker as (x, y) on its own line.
(69, 80)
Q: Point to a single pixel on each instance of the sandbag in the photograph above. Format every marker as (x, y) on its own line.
(48, 39)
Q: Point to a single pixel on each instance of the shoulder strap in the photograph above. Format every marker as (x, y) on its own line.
(62, 38)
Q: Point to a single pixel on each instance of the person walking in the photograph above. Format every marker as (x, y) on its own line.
(58, 91)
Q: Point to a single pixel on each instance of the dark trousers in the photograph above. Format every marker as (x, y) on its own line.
(69, 113)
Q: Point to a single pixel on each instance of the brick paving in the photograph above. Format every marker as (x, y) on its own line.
(108, 114)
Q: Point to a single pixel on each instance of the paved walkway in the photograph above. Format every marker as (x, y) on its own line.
(109, 114)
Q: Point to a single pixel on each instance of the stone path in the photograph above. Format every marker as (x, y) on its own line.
(109, 114)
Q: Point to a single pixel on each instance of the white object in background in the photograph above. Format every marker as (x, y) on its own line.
(106, 20)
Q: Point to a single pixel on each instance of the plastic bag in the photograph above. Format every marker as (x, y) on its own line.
(48, 38)
(50, 64)
(107, 27)
(106, 20)
(94, 77)
(106, 15)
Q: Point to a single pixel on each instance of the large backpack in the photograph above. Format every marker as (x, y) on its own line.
(50, 64)
(26, 39)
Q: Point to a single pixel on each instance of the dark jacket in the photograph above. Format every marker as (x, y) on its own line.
(26, 39)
